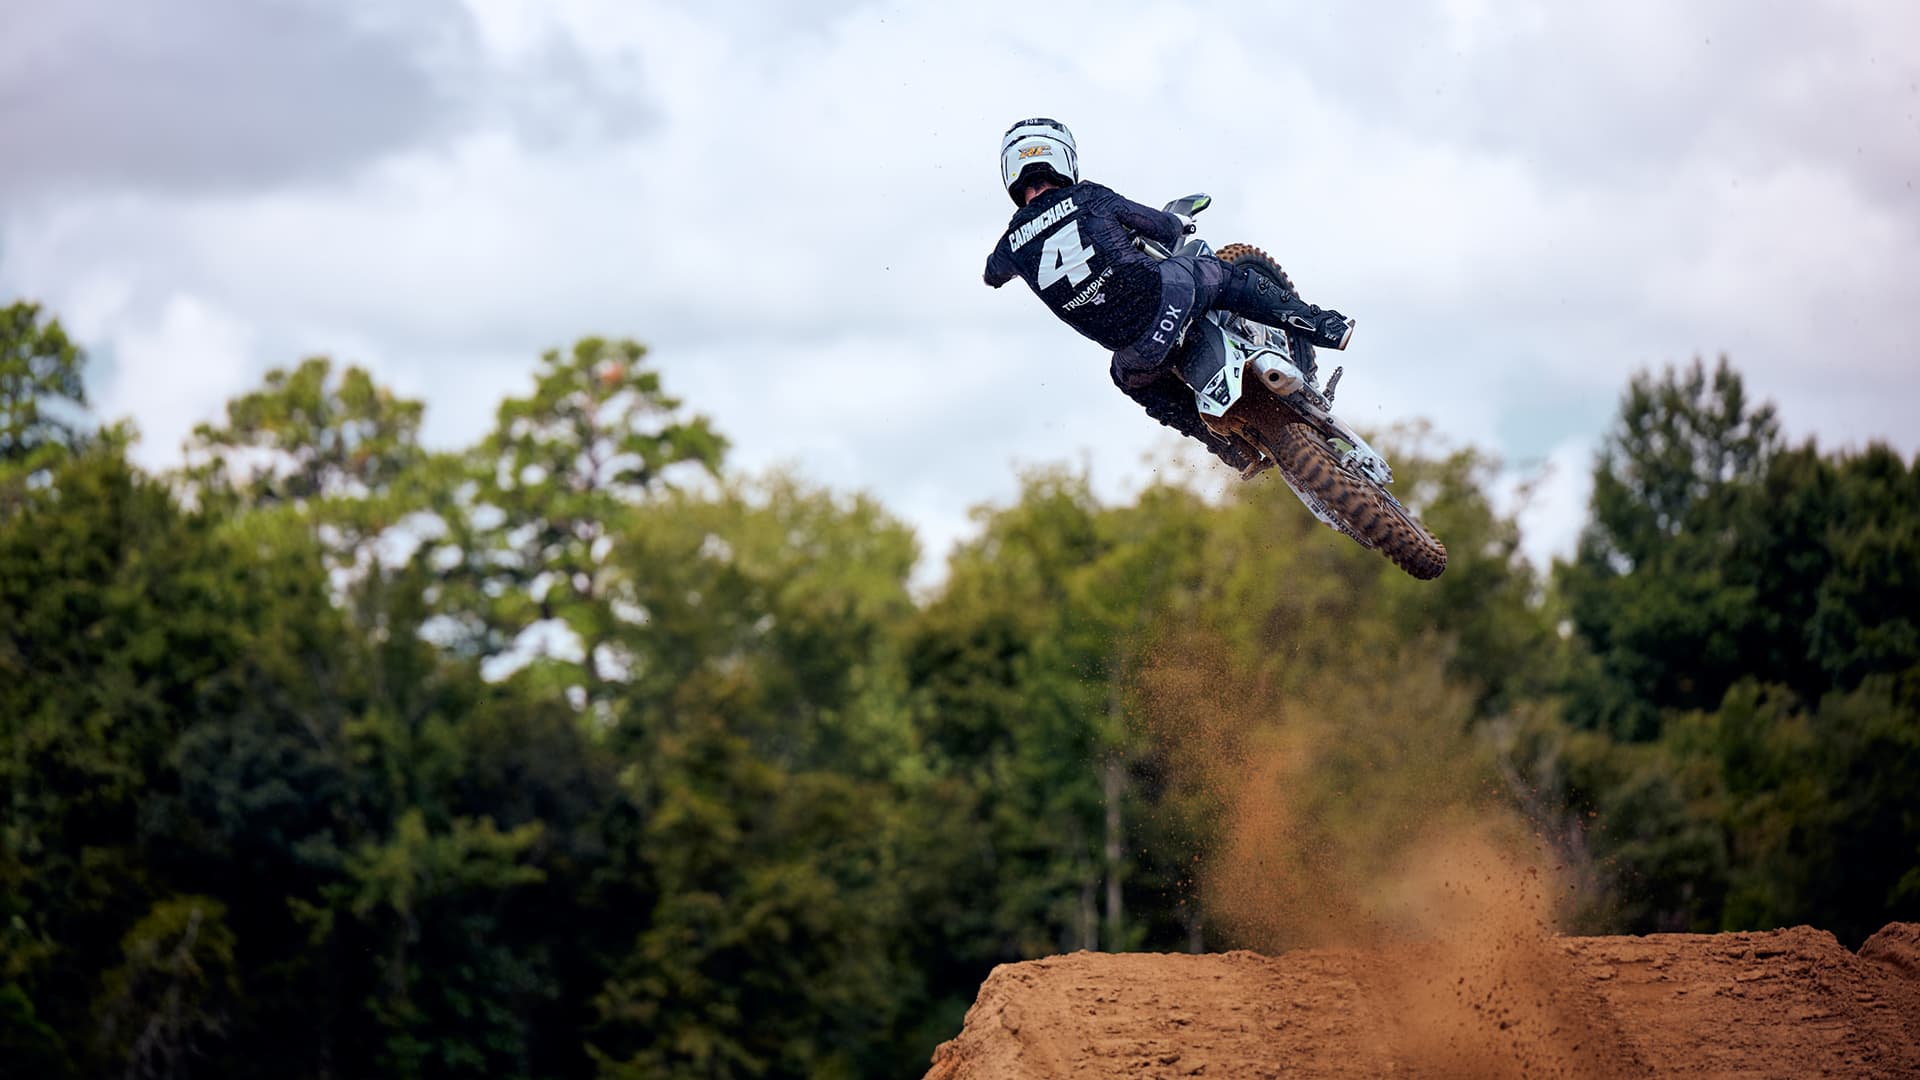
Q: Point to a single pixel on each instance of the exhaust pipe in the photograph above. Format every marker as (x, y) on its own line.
(1278, 373)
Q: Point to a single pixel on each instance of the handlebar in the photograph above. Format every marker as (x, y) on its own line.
(1185, 207)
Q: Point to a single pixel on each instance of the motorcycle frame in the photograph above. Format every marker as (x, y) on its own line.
(1253, 355)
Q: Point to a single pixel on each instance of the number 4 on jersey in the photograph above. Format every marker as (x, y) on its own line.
(1064, 255)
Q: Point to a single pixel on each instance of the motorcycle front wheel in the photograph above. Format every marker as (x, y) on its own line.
(1371, 515)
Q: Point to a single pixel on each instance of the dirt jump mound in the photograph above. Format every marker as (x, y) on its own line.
(1786, 1003)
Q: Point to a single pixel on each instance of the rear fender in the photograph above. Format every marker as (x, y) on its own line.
(1212, 364)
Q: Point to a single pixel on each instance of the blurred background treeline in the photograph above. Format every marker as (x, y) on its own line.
(574, 754)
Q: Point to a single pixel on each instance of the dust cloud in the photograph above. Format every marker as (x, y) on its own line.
(1355, 810)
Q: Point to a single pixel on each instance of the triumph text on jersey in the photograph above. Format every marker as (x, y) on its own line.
(1091, 294)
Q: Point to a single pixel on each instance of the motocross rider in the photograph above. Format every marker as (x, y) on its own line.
(1072, 241)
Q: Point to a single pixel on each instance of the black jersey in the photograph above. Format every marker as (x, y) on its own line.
(1075, 251)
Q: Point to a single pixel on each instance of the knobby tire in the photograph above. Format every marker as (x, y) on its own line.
(1304, 455)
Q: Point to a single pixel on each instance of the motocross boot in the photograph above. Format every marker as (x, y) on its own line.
(1260, 298)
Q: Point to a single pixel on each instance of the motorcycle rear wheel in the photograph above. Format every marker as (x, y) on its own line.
(1372, 515)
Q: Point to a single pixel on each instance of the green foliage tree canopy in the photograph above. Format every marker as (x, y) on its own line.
(39, 366)
(313, 436)
(1654, 586)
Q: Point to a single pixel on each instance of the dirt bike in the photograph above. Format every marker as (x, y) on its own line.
(1251, 391)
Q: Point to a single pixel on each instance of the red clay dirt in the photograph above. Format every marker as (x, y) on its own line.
(1786, 1003)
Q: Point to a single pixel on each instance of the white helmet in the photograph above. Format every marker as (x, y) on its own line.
(1038, 145)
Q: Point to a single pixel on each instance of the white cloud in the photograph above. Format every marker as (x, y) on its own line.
(176, 370)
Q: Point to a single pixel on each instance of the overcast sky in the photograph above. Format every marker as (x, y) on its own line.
(791, 203)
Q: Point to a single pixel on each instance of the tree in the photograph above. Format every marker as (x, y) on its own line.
(176, 986)
(41, 390)
(1488, 606)
(768, 950)
(781, 598)
(1019, 665)
(1743, 613)
(771, 774)
(529, 536)
(306, 436)
(1655, 590)
(39, 368)
(1866, 610)
(451, 994)
(337, 452)
(126, 623)
(1818, 803)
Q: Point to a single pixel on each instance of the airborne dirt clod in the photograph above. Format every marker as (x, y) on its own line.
(1786, 1003)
